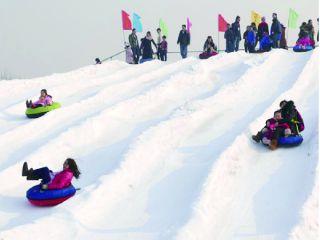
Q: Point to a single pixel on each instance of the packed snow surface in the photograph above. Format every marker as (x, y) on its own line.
(165, 151)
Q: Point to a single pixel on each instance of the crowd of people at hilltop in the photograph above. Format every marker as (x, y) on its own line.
(256, 39)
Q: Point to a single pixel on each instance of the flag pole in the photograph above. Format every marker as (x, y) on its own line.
(124, 39)
(218, 35)
(288, 30)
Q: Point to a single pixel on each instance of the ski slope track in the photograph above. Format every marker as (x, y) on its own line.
(165, 151)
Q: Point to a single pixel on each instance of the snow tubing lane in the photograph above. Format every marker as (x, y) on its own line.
(40, 111)
(299, 49)
(290, 141)
(52, 197)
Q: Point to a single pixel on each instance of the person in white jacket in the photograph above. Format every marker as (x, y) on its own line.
(129, 55)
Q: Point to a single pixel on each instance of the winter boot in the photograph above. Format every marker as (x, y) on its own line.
(25, 170)
(273, 144)
(32, 176)
(257, 137)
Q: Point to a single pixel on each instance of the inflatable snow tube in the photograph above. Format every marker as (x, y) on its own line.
(40, 111)
(52, 197)
(142, 60)
(300, 49)
(290, 141)
(206, 55)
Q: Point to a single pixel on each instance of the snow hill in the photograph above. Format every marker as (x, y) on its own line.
(165, 151)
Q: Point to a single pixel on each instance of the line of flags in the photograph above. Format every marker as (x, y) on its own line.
(222, 23)
(136, 23)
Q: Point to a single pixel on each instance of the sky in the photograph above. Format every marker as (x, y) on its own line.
(42, 37)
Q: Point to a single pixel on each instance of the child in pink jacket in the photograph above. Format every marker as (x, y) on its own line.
(44, 100)
(51, 180)
(271, 125)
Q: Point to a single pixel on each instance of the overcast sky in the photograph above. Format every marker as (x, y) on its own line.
(41, 37)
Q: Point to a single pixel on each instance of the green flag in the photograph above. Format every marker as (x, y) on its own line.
(293, 18)
(163, 27)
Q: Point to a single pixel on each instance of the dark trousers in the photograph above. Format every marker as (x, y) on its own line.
(236, 43)
(251, 48)
(136, 54)
(184, 50)
(229, 46)
(245, 46)
(279, 132)
(43, 174)
(163, 55)
(275, 39)
(158, 52)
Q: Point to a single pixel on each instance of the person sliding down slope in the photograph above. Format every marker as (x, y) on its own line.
(271, 125)
(51, 180)
(44, 100)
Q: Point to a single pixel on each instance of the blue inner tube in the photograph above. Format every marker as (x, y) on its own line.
(290, 141)
(36, 193)
(299, 49)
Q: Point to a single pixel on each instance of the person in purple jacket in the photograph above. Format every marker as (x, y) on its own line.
(163, 47)
(51, 180)
(44, 100)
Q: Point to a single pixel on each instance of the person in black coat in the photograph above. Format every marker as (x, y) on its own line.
(209, 45)
(237, 33)
(184, 41)
(146, 48)
(229, 36)
(275, 31)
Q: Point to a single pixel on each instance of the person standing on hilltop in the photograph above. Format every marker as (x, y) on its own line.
(184, 41)
(237, 33)
(275, 31)
(134, 44)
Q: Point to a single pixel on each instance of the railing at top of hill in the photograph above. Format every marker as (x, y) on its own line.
(171, 52)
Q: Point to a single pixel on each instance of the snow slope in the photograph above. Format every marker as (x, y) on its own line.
(165, 150)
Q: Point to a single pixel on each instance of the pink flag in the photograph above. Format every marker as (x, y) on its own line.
(126, 22)
(189, 25)
(222, 24)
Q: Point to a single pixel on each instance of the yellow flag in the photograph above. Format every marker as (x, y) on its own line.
(255, 17)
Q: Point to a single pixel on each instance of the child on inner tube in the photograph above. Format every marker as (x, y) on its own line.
(51, 180)
(44, 100)
(291, 117)
(270, 128)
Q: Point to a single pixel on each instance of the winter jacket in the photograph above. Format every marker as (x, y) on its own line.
(275, 27)
(270, 128)
(251, 38)
(129, 55)
(146, 48)
(159, 38)
(262, 28)
(245, 36)
(236, 29)
(208, 46)
(272, 123)
(229, 35)
(306, 41)
(164, 45)
(133, 40)
(184, 38)
(44, 102)
(292, 117)
(61, 180)
(265, 43)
